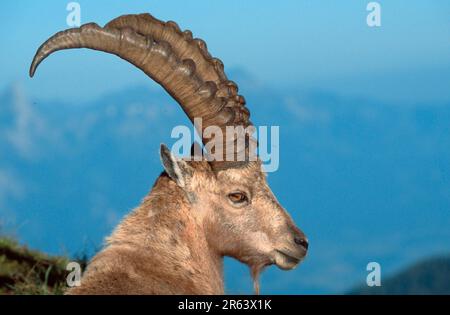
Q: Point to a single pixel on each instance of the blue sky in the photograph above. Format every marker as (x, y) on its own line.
(324, 45)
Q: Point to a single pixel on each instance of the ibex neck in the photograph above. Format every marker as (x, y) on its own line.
(164, 231)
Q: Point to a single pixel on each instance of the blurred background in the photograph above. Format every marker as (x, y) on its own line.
(364, 116)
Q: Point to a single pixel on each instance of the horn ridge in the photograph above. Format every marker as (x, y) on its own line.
(180, 63)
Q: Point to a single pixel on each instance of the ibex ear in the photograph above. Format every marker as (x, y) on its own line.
(176, 168)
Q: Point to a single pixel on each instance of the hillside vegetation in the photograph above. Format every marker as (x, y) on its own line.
(25, 271)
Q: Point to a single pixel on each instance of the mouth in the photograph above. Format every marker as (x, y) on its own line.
(288, 260)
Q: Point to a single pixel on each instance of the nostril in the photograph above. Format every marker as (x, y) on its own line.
(301, 241)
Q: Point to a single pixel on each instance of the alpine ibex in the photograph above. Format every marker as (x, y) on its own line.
(198, 211)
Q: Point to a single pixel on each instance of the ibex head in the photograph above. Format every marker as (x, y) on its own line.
(242, 217)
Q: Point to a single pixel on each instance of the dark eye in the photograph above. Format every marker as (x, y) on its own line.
(238, 197)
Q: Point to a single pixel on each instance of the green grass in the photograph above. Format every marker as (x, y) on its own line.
(25, 271)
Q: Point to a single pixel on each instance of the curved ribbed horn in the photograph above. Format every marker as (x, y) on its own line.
(190, 75)
(183, 44)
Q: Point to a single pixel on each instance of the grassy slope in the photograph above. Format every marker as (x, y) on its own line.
(25, 271)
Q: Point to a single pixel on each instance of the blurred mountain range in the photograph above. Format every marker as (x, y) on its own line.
(430, 276)
(367, 181)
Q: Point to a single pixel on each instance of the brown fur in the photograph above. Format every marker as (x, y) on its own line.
(174, 242)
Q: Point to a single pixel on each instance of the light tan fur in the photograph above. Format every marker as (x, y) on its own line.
(175, 241)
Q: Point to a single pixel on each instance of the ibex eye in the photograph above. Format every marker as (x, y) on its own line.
(238, 197)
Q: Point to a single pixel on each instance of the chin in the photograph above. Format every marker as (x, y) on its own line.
(285, 261)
